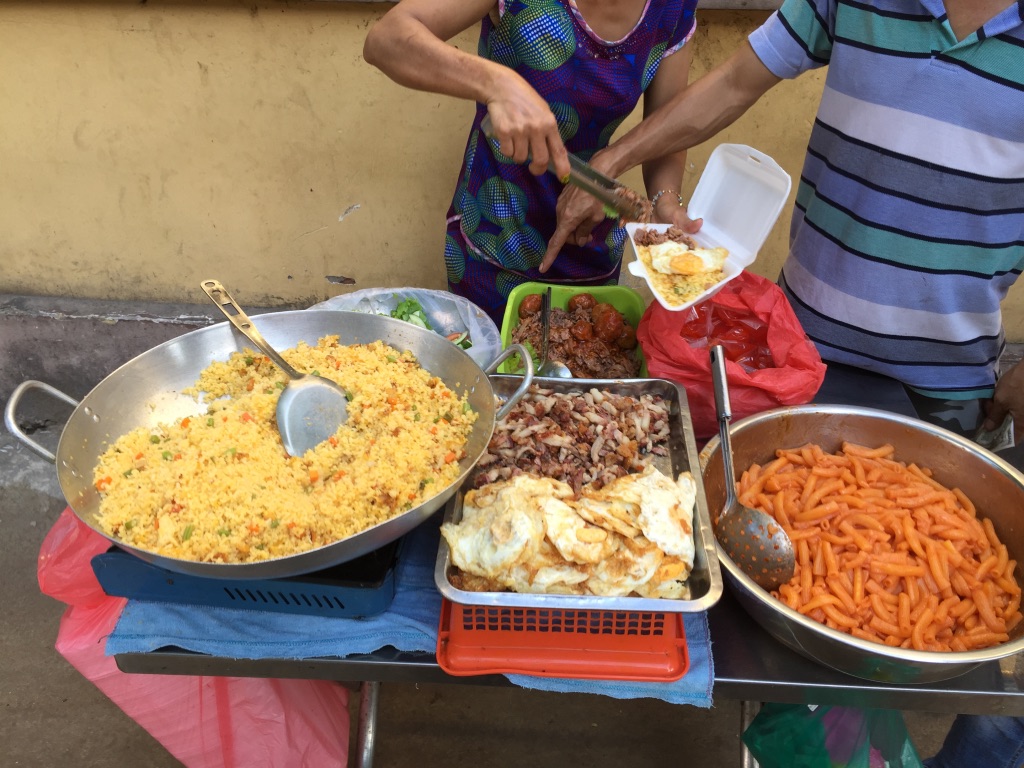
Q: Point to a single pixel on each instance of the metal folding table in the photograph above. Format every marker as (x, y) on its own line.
(750, 665)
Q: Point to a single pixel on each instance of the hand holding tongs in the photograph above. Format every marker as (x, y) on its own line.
(618, 199)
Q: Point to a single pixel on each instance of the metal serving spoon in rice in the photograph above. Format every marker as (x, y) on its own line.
(311, 408)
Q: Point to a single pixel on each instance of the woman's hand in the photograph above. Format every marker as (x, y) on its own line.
(525, 127)
(577, 213)
(1008, 399)
(409, 45)
(669, 211)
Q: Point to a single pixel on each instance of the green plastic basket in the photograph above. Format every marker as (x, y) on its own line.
(623, 298)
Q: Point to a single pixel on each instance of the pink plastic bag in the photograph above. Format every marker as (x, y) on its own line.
(202, 721)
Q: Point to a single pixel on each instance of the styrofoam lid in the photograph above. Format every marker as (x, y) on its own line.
(740, 196)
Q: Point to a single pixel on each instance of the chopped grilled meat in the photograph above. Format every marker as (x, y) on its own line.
(578, 438)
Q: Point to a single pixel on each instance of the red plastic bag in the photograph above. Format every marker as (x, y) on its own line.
(793, 377)
(202, 721)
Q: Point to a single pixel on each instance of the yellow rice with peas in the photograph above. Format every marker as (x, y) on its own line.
(220, 487)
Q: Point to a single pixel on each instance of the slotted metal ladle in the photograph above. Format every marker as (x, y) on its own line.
(311, 408)
(753, 539)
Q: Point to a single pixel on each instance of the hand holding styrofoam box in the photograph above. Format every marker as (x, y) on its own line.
(739, 196)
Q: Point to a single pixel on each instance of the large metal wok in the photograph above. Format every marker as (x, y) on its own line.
(148, 390)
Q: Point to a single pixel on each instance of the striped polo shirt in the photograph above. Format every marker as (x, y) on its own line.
(909, 221)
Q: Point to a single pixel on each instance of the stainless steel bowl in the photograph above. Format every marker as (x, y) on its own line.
(996, 488)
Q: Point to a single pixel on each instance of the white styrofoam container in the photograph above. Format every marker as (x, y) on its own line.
(740, 196)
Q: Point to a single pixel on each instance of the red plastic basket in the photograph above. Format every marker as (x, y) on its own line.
(550, 642)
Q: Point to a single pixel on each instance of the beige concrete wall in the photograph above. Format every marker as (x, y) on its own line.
(147, 146)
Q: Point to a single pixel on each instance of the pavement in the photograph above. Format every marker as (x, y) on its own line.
(53, 716)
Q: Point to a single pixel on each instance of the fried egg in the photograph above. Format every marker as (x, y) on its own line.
(672, 258)
(501, 525)
(546, 573)
(668, 580)
(529, 534)
(632, 564)
(575, 539)
(666, 511)
(617, 515)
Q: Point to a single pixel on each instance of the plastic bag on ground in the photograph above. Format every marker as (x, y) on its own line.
(446, 313)
(675, 350)
(795, 736)
(205, 722)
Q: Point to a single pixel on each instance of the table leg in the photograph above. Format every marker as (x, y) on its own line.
(748, 711)
(366, 735)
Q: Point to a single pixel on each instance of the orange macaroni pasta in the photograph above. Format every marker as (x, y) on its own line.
(884, 552)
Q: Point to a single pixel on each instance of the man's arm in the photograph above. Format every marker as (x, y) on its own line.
(663, 176)
(698, 113)
(712, 103)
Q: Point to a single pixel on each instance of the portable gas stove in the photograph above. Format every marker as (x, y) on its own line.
(356, 589)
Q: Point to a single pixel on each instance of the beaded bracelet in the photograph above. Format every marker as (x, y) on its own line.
(657, 196)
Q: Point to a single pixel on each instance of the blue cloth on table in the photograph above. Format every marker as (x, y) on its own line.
(409, 624)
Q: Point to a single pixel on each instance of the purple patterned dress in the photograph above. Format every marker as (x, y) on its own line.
(502, 215)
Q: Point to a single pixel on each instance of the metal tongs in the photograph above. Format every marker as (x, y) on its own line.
(618, 200)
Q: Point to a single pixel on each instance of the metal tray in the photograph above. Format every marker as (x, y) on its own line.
(705, 581)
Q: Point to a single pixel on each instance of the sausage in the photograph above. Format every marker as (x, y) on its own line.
(627, 339)
(582, 301)
(530, 305)
(600, 310)
(610, 326)
(582, 330)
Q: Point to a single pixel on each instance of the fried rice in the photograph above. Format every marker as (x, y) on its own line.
(219, 487)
